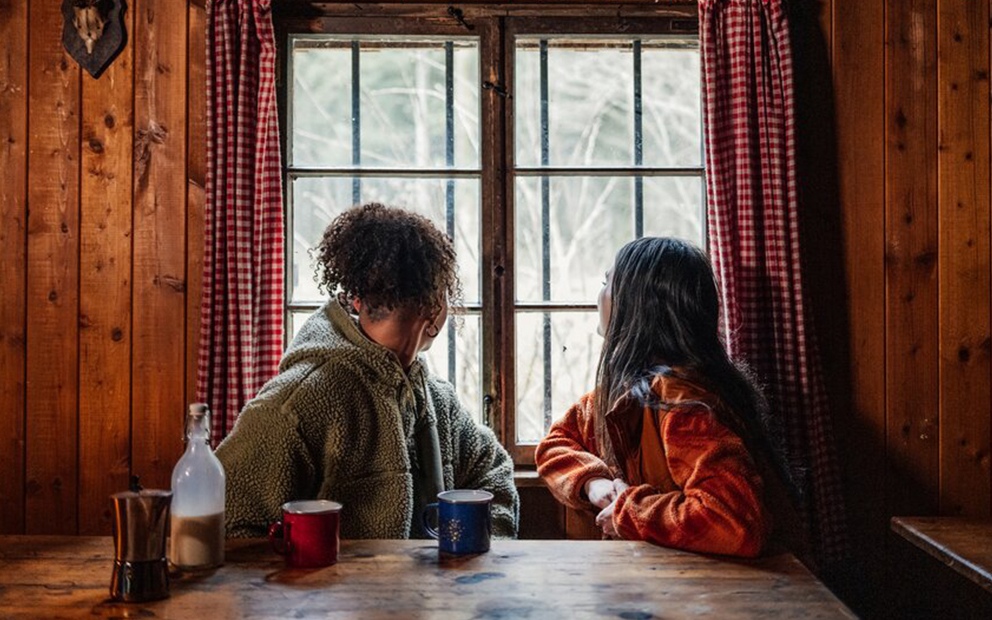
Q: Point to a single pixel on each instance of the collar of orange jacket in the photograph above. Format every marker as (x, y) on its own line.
(625, 420)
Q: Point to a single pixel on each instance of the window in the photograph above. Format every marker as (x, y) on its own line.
(540, 145)
(391, 119)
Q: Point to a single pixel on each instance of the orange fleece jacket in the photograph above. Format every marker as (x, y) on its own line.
(710, 498)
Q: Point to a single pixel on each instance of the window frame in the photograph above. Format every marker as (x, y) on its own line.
(496, 27)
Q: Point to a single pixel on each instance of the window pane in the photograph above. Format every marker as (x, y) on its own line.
(590, 220)
(296, 320)
(468, 365)
(590, 101)
(318, 200)
(673, 207)
(321, 105)
(672, 116)
(403, 99)
(575, 348)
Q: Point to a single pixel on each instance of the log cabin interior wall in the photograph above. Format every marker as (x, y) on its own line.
(893, 107)
(100, 227)
(100, 294)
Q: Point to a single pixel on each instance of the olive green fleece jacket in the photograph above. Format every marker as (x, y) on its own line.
(337, 423)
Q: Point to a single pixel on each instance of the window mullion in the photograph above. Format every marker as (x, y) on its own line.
(496, 406)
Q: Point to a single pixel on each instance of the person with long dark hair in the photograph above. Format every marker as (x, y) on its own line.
(673, 444)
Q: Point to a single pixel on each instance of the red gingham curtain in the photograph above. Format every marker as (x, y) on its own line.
(754, 240)
(241, 330)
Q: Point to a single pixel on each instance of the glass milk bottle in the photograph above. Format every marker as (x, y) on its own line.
(197, 515)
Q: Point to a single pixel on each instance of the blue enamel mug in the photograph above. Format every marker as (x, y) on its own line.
(464, 522)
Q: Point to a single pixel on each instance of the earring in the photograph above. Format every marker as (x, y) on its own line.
(433, 330)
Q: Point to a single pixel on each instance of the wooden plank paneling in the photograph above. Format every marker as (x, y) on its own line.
(911, 258)
(105, 290)
(53, 276)
(13, 257)
(581, 525)
(825, 12)
(858, 61)
(196, 172)
(542, 517)
(963, 129)
(608, 9)
(159, 310)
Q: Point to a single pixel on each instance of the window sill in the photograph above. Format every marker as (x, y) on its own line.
(527, 478)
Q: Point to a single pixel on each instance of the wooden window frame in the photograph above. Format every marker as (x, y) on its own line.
(496, 26)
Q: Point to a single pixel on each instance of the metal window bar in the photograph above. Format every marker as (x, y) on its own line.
(545, 230)
(476, 308)
(638, 144)
(551, 171)
(387, 173)
(449, 194)
(468, 309)
(356, 120)
(462, 173)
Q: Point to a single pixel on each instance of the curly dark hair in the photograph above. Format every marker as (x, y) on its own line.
(389, 259)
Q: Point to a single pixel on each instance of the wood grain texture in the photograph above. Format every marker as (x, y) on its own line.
(493, 110)
(105, 290)
(962, 544)
(507, 4)
(196, 177)
(474, 10)
(13, 258)
(541, 516)
(581, 525)
(964, 261)
(858, 59)
(53, 277)
(160, 186)
(911, 226)
(405, 579)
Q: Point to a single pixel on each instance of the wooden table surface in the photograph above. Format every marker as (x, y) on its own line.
(963, 544)
(63, 577)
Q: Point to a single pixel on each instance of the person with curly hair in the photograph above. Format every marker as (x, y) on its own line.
(354, 415)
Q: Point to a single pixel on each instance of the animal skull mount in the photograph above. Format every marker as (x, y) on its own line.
(89, 22)
(93, 32)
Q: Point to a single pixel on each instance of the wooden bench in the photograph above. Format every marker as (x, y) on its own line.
(964, 545)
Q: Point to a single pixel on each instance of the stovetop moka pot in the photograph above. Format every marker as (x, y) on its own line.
(140, 566)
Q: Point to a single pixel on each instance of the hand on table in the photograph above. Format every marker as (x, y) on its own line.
(604, 520)
(600, 491)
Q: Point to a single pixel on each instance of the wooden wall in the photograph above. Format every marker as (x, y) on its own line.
(893, 112)
(100, 197)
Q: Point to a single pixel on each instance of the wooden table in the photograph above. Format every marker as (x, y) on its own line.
(962, 544)
(62, 577)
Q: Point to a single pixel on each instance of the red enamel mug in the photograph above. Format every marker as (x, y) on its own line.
(309, 534)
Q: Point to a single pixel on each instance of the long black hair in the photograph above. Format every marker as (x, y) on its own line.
(665, 313)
